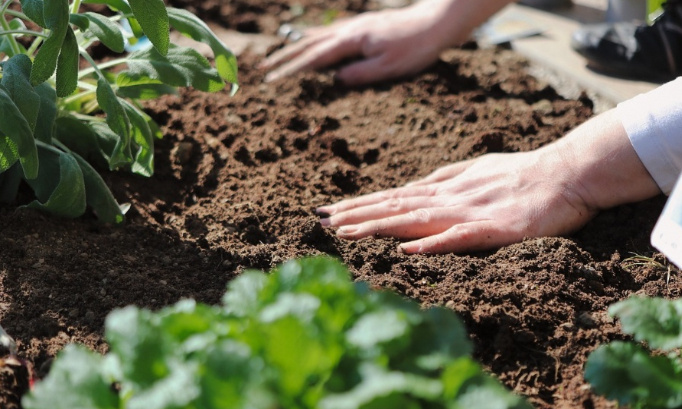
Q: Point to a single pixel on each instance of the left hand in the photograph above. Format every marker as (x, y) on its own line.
(389, 43)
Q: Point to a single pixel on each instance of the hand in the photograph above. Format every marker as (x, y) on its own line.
(483, 203)
(499, 199)
(390, 43)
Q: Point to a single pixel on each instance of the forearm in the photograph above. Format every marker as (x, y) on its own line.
(455, 20)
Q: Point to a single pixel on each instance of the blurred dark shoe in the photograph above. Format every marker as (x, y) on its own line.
(546, 4)
(633, 50)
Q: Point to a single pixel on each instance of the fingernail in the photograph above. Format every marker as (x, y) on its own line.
(325, 222)
(325, 211)
(346, 230)
(410, 248)
(271, 77)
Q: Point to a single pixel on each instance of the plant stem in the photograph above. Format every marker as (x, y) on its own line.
(78, 96)
(87, 86)
(34, 46)
(87, 118)
(46, 146)
(75, 6)
(97, 68)
(5, 5)
(17, 14)
(5, 26)
(24, 32)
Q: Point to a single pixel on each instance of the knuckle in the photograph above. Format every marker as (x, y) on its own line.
(421, 216)
(395, 204)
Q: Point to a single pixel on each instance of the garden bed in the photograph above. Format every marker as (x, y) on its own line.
(237, 180)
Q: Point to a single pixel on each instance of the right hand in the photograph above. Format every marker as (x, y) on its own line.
(498, 199)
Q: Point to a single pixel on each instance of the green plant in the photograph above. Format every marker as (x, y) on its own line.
(631, 373)
(303, 336)
(56, 118)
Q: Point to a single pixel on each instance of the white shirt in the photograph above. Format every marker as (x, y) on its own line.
(653, 122)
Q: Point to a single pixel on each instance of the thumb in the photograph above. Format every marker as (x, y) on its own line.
(366, 71)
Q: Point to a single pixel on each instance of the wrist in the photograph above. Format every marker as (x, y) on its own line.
(603, 165)
(455, 20)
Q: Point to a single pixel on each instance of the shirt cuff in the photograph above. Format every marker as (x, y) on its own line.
(653, 122)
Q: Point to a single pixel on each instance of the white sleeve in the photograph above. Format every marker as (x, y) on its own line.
(653, 122)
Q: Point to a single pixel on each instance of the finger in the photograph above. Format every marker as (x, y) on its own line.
(443, 173)
(415, 224)
(386, 208)
(376, 197)
(382, 64)
(366, 71)
(318, 55)
(290, 51)
(465, 237)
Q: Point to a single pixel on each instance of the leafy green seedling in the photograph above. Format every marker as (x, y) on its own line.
(303, 336)
(57, 119)
(631, 373)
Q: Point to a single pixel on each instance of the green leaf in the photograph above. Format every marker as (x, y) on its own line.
(439, 338)
(484, 392)
(106, 31)
(16, 73)
(59, 187)
(94, 142)
(233, 378)
(141, 346)
(9, 183)
(242, 296)
(45, 128)
(627, 373)
(118, 121)
(153, 18)
(80, 21)
(67, 65)
(98, 196)
(457, 374)
(9, 153)
(143, 140)
(176, 390)
(181, 67)
(295, 348)
(18, 142)
(146, 91)
(300, 306)
(187, 319)
(380, 387)
(76, 380)
(109, 142)
(56, 13)
(191, 26)
(655, 320)
(135, 27)
(378, 328)
(117, 5)
(34, 10)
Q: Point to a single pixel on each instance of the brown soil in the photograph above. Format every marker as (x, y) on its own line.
(237, 179)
